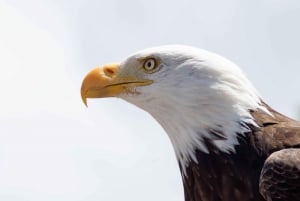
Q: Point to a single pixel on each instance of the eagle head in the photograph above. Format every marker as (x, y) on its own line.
(194, 94)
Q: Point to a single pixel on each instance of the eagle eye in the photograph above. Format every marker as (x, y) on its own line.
(150, 64)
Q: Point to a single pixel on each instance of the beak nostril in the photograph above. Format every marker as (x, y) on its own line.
(109, 71)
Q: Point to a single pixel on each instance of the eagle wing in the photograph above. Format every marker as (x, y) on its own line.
(278, 140)
(280, 176)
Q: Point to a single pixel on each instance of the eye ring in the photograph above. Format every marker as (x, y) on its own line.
(150, 64)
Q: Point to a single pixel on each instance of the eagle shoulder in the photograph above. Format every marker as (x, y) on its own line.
(280, 176)
(278, 139)
(275, 132)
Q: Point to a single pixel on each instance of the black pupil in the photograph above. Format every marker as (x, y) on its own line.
(149, 64)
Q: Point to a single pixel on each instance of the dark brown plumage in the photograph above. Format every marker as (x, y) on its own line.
(237, 176)
(280, 179)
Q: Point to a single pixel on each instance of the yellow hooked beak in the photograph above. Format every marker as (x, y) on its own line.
(106, 81)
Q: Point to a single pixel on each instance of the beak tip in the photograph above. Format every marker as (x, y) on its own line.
(85, 103)
(84, 100)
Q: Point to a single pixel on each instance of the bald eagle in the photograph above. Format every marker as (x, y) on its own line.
(230, 145)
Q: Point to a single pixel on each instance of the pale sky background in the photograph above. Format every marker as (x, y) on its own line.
(52, 148)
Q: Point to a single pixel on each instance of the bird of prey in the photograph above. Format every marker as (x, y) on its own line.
(230, 145)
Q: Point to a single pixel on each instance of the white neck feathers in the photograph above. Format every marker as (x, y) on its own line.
(195, 93)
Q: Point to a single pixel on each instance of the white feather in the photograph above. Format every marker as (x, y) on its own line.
(195, 91)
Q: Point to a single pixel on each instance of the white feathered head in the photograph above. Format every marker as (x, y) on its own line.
(189, 91)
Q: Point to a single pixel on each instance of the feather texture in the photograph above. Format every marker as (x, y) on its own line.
(227, 141)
